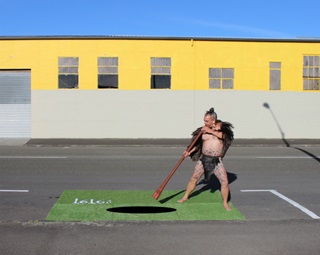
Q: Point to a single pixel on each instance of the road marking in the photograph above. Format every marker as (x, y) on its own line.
(272, 157)
(31, 157)
(285, 157)
(148, 157)
(13, 190)
(290, 201)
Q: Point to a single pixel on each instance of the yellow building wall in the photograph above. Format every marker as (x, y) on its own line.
(250, 61)
(190, 61)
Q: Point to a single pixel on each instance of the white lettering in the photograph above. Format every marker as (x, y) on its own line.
(91, 201)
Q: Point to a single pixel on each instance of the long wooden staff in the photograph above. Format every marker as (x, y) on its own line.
(158, 192)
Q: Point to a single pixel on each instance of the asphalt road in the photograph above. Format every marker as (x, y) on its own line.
(275, 187)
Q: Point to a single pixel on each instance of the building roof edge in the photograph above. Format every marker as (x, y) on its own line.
(130, 37)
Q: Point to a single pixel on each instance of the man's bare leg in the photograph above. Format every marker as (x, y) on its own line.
(221, 174)
(198, 172)
(225, 195)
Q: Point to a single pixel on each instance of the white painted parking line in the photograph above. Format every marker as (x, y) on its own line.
(13, 190)
(30, 157)
(285, 157)
(290, 201)
(272, 157)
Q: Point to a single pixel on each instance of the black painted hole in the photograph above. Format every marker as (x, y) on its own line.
(141, 209)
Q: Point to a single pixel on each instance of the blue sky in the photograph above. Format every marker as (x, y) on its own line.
(202, 18)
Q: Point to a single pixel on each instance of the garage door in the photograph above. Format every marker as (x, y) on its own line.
(15, 103)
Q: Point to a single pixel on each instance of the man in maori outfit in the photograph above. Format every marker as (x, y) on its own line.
(208, 152)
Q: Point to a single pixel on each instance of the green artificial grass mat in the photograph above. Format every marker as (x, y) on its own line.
(93, 205)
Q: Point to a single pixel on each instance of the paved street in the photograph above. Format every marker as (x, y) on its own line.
(275, 187)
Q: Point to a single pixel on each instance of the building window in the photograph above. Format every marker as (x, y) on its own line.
(311, 75)
(160, 73)
(68, 72)
(107, 72)
(221, 78)
(275, 76)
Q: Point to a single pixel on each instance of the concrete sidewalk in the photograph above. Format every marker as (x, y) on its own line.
(150, 142)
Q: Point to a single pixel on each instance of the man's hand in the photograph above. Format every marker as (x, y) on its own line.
(186, 154)
(206, 130)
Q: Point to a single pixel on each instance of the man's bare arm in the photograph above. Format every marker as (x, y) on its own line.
(216, 131)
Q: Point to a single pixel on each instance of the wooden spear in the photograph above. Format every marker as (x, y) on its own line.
(158, 192)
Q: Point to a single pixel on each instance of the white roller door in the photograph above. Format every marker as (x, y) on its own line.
(15, 103)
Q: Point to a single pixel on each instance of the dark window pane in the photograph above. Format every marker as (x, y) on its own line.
(160, 81)
(68, 81)
(107, 81)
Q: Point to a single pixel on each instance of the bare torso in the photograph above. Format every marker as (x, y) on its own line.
(211, 145)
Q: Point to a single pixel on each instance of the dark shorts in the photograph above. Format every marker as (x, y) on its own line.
(209, 164)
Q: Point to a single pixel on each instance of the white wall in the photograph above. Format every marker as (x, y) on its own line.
(171, 114)
(294, 114)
